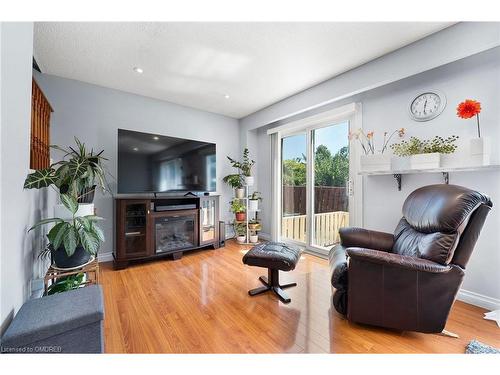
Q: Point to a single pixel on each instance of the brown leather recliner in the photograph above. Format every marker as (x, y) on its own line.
(409, 280)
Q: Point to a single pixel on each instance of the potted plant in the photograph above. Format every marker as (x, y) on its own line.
(254, 225)
(244, 167)
(480, 147)
(78, 173)
(241, 232)
(253, 237)
(236, 182)
(421, 154)
(73, 242)
(253, 201)
(370, 160)
(75, 236)
(239, 209)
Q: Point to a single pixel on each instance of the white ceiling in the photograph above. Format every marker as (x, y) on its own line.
(197, 64)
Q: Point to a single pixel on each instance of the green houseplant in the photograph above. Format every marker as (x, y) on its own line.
(416, 153)
(244, 167)
(72, 242)
(74, 238)
(78, 173)
(241, 232)
(239, 209)
(236, 182)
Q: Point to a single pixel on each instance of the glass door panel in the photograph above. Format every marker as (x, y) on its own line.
(207, 220)
(135, 228)
(294, 195)
(331, 176)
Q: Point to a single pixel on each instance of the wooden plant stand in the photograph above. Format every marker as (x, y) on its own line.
(91, 271)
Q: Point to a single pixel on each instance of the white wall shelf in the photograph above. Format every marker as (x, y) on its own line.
(444, 170)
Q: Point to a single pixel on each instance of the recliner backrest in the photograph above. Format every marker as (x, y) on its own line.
(434, 220)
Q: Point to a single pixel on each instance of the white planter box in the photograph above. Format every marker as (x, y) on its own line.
(378, 162)
(425, 161)
(253, 205)
(241, 239)
(480, 151)
(254, 239)
(84, 209)
(400, 163)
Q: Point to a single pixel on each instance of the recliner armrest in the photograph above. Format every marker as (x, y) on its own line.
(370, 239)
(396, 260)
(338, 266)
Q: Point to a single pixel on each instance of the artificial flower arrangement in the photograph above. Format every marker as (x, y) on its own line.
(367, 140)
(468, 109)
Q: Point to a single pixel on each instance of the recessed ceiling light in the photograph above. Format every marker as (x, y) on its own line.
(226, 96)
(135, 149)
(156, 138)
(138, 70)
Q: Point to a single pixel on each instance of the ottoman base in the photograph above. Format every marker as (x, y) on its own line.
(272, 283)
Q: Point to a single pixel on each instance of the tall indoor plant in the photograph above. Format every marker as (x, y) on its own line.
(74, 238)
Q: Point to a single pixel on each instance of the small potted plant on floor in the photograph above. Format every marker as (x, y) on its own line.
(241, 232)
(421, 154)
(238, 208)
(253, 201)
(244, 167)
(236, 182)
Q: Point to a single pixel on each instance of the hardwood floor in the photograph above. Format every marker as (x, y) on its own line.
(199, 304)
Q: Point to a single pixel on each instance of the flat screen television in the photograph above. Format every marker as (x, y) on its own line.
(151, 163)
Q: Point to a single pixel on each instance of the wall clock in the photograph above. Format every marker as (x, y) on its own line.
(427, 105)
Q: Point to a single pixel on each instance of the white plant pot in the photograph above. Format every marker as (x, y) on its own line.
(425, 161)
(253, 205)
(239, 193)
(249, 180)
(254, 239)
(400, 163)
(480, 151)
(84, 209)
(377, 162)
(241, 239)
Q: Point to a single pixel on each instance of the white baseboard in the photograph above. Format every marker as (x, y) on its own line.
(477, 299)
(105, 257)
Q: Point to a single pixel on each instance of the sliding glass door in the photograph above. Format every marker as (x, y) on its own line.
(315, 178)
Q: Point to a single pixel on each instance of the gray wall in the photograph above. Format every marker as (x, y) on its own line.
(19, 208)
(385, 109)
(94, 114)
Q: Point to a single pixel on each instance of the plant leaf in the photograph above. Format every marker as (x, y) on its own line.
(70, 203)
(70, 241)
(46, 221)
(77, 167)
(90, 242)
(98, 232)
(40, 179)
(56, 234)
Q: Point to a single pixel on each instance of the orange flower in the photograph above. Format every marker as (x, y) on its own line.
(469, 108)
(369, 135)
(401, 132)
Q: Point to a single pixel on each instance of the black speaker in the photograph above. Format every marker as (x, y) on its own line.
(222, 234)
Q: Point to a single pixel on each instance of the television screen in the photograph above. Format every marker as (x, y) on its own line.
(155, 163)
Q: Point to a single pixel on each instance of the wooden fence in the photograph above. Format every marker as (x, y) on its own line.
(326, 199)
(326, 227)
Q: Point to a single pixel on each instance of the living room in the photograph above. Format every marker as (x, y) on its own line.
(250, 187)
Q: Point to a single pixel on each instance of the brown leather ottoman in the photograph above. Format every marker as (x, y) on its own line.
(275, 256)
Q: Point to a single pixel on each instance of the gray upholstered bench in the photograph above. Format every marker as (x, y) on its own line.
(275, 256)
(69, 322)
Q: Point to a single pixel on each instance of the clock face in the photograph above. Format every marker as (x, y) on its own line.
(427, 106)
